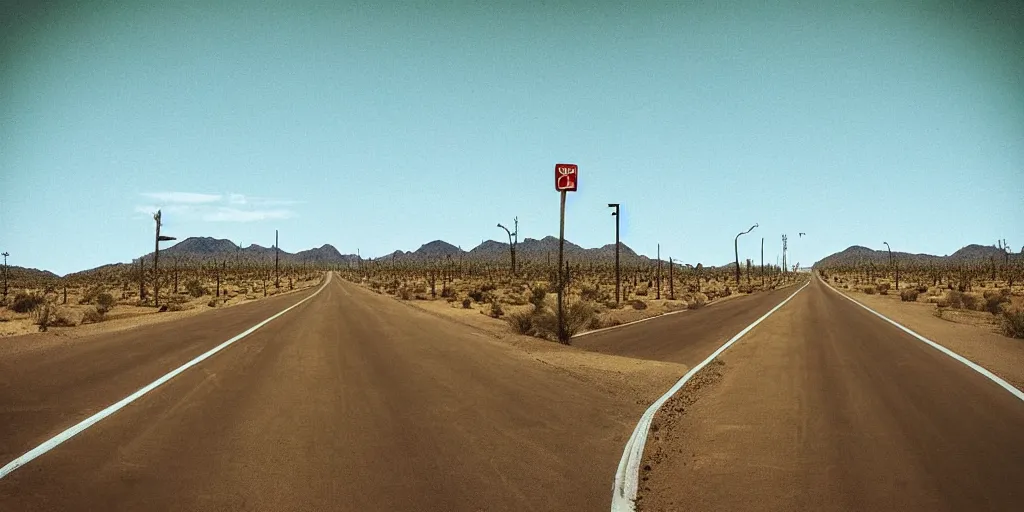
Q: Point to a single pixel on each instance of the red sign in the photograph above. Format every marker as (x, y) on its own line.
(566, 177)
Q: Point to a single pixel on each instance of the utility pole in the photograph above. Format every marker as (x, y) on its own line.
(618, 282)
(785, 247)
(5, 272)
(762, 263)
(659, 272)
(156, 258)
(671, 282)
(6, 254)
(736, 248)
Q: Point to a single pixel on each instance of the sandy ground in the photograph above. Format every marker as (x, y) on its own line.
(124, 316)
(971, 337)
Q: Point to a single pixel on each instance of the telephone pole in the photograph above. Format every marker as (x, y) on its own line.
(6, 254)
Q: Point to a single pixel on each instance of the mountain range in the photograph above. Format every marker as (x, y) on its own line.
(859, 254)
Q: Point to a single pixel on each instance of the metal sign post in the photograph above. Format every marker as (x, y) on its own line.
(566, 179)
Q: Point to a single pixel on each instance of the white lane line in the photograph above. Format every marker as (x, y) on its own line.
(595, 331)
(95, 418)
(626, 475)
(967, 362)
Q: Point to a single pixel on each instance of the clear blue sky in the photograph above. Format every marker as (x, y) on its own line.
(384, 125)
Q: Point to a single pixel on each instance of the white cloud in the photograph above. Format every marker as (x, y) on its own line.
(216, 207)
(225, 214)
(183, 197)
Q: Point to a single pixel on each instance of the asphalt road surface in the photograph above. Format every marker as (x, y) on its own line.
(351, 401)
(825, 406)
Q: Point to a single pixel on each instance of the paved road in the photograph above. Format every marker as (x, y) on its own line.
(824, 406)
(351, 401)
(687, 337)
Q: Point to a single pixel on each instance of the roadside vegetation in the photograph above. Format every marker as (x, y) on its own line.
(978, 293)
(526, 301)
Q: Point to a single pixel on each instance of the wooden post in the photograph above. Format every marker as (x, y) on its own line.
(562, 338)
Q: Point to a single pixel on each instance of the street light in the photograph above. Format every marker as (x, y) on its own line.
(511, 244)
(892, 263)
(736, 248)
(617, 217)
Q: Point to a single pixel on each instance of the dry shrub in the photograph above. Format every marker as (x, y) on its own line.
(922, 288)
(496, 310)
(909, 295)
(90, 294)
(467, 303)
(954, 299)
(537, 296)
(104, 302)
(64, 317)
(26, 302)
(870, 289)
(638, 305)
(641, 290)
(404, 293)
(972, 302)
(196, 289)
(883, 288)
(698, 301)
(994, 301)
(521, 322)
(591, 292)
(1013, 323)
(91, 316)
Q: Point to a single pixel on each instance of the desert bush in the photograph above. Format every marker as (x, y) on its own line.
(922, 288)
(590, 292)
(496, 310)
(994, 302)
(488, 287)
(537, 296)
(610, 322)
(745, 288)
(909, 294)
(698, 301)
(91, 316)
(477, 295)
(44, 315)
(63, 317)
(211, 304)
(448, 292)
(26, 302)
(404, 293)
(870, 289)
(521, 322)
(104, 302)
(638, 305)
(883, 288)
(954, 299)
(578, 316)
(641, 290)
(1013, 323)
(516, 299)
(90, 294)
(611, 304)
(972, 301)
(545, 324)
(196, 289)
(467, 303)
(175, 306)
(420, 289)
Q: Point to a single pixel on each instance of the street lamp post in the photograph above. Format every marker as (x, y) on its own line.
(736, 248)
(892, 263)
(512, 244)
(618, 284)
